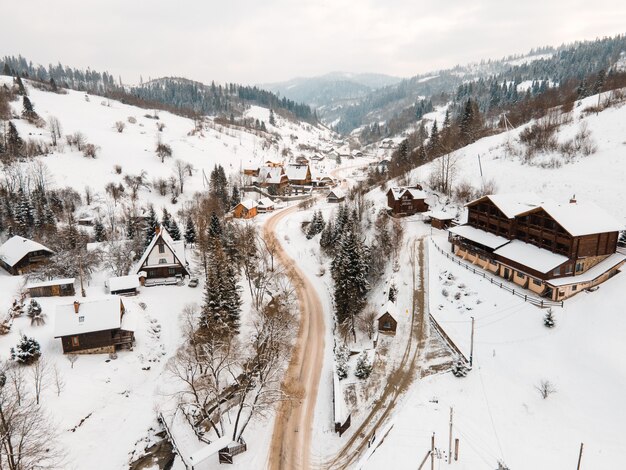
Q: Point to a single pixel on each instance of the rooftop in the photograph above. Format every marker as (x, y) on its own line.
(16, 247)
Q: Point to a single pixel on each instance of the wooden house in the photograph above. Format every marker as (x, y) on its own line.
(299, 174)
(335, 195)
(265, 205)
(163, 258)
(387, 322)
(273, 177)
(19, 255)
(52, 288)
(302, 160)
(246, 209)
(93, 326)
(439, 219)
(406, 201)
(554, 250)
(317, 158)
(124, 285)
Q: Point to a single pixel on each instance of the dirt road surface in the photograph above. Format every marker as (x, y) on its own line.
(291, 437)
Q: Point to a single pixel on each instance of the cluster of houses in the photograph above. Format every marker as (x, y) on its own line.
(97, 325)
(276, 177)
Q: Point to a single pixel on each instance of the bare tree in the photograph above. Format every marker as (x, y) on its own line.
(39, 372)
(88, 195)
(545, 388)
(119, 256)
(120, 126)
(163, 150)
(180, 169)
(116, 191)
(59, 383)
(90, 150)
(135, 183)
(189, 167)
(54, 125)
(72, 358)
(366, 322)
(160, 126)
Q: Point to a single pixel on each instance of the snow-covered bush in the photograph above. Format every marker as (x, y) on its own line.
(459, 368)
(363, 366)
(35, 313)
(341, 360)
(27, 350)
(393, 292)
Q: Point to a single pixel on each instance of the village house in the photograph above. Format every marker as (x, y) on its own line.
(246, 209)
(439, 219)
(406, 201)
(302, 160)
(299, 174)
(554, 250)
(265, 205)
(163, 258)
(124, 285)
(52, 288)
(317, 158)
(272, 177)
(19, 255)
(93, 326)
(335, 195)
(387, 322)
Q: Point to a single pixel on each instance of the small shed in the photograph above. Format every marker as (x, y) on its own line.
(246, 209)
(52, 288)
(124, 285)
(336, 195)
(265, 205)
(387, 322)
(439, 219)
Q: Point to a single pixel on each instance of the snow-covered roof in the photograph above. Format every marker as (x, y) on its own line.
(592, 273)
(177, 247)
(532, 256)
(248, 204)
(52, 282)
(265, 202)
(123, 282)
(297, 172)
(390, 308)
(479, 236)
(337, 192)
(16, 247)
(439, 215)
(582, 218)
(397, 193)
(270, 174)
(209, 450)
(512, 204)
(93, 315)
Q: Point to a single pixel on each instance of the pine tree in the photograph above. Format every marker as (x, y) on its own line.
(166, 219)
(20, 86)
(363, 366)
(28, 111)
(235, 197)
(433, 143)
(99, 232)
(328, 237)
(548, 319)
(27, 351)
(393, 292)
(24, 213)
(214, 230)
(152, 224)
(459, 368)
(316, 225)
(272, 118)
(342, 354)
(446, 120)
(14, 141)
(174, 230)
(190, 232)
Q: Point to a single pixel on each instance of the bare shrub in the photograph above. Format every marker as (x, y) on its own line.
(545, 388)
(117, 169)
(120, 126)
(90, 150)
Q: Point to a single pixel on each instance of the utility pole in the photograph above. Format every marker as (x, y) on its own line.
(432, 452)
(471, 358)
(580, 456)
(450, 440)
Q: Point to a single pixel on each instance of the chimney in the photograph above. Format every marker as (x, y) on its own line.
(76, 306)
(157, 230)
(573, 199)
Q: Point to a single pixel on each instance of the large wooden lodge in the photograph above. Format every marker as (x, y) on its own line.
(555, 250)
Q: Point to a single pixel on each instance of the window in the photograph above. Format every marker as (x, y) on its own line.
(521, 275)
(172, 270)
(387, 325)
(579, 267)
(536, 282)
(556, 272)
(75, 342)
(569, 269)
(81, 319)
(561, 293)
(161, 248)
(575, 286)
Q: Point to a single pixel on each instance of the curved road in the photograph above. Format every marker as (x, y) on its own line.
(291, 438)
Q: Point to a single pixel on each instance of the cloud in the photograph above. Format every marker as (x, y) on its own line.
(250, 41)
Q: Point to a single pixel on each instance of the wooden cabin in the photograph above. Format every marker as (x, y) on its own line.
(246, 209)
(164, 257)
(387, 322)
(302, 160)
(272, 177)
(554, 250)
(52, 288)
(299, 174)
(124, 285)
(439, 219)
(265, 205)
(335, 195)
(406, 201)
(19, 255)
(93, 326)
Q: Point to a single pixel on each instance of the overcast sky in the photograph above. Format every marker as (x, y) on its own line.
(260, 41)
